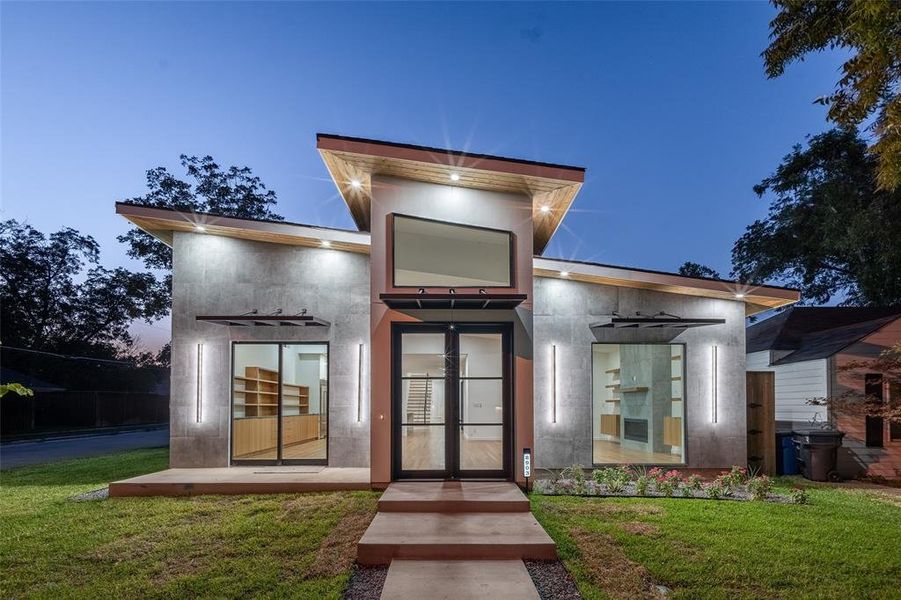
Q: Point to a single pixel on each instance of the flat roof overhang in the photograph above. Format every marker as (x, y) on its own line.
(453, 301)
(757, 298)
(162, 222)
(551, 187)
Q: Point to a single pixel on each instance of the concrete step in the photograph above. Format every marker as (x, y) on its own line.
(453, 496)
(455, 579)
(454, 536)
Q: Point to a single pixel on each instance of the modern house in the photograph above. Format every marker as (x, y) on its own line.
(826, 352)
(437, 341)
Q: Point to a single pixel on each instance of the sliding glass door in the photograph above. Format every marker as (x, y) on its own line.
(279, 403)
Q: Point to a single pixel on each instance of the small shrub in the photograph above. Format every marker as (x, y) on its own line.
(714, 490)
(724, 482)
(642, 481)
(693, 483)
(760, 487)
(798, 496)
(614, 478)
(686, 491)
(735, 477)
(665, 487)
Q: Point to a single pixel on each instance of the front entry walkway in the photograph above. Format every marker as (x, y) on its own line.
(452, 539)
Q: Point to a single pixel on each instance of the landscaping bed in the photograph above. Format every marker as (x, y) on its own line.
(625, 482)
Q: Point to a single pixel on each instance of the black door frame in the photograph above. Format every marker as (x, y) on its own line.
(452, 422)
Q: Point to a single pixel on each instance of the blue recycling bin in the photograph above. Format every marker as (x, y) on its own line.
(787, 462)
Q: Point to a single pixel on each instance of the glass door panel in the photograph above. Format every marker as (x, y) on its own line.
(255, 402)
(304, 400)
(423, 409)
(481, 402)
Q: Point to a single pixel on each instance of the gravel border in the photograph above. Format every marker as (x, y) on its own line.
(552, 580)
(366, 583)
(93, 495)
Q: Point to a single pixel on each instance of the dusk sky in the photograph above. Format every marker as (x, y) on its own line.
(666, 105)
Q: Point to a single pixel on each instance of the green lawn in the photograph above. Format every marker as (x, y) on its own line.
(211, 546)
(843, 544)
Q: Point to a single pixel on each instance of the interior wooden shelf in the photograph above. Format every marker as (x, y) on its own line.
(615, 400)
(612, 386)
(677, 379)
(677, 357)
(677, 399)
(634, 389)
(612, 371)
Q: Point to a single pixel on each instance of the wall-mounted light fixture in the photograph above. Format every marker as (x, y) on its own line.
(714, 384)
(455, 177)
(553, 383)
(325, 244)
(199, 383)
(360, 383)
(356, 184)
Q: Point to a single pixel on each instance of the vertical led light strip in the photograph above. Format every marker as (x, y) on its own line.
(553, 383)
(200, 383)
(360, 383)
(713, 384)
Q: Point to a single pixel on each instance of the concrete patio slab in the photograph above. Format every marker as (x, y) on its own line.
(453, 496)
(447, 580)
(454, 536)
(242, 480)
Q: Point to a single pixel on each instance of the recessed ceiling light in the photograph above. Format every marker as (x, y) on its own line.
(545, 209)
(199, 228)
(455, 176)
(326, 244)
(355, 183)
(739, 295)
(564, 273)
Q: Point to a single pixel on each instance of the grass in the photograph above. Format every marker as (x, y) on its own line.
(844, 544)
(299, 546)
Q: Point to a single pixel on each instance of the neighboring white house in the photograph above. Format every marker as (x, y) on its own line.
(806, 348)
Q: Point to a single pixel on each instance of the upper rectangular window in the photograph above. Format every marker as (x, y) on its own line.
(438, 254)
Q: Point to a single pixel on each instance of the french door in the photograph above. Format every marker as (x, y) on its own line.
(452, 401)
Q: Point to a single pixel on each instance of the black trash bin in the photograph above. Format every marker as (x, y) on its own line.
(818, 452)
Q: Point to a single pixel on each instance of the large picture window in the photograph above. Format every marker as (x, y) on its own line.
(438, 254)
(280, 402)
(638, 403)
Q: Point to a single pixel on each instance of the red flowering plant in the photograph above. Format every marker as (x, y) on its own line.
(668, 482)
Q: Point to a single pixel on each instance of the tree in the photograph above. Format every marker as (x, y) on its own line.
(235, 192)
(830, 230)
(870, 30)
(693, 269)
(53, 300)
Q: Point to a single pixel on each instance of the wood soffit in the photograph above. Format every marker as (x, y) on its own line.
(552, 188)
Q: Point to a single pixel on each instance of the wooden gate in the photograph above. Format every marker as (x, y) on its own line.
(761, 400)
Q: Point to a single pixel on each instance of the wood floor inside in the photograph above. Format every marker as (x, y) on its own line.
(612, 453)
(423, 449)
(313, 449)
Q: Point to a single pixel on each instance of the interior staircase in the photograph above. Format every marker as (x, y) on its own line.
(419, 400)
(468, 539)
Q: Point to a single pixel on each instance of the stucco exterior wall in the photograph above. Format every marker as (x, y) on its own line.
(454, 204)
(221, 275)
(563, 311)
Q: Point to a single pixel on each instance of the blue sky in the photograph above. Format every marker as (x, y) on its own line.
(666, 105)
